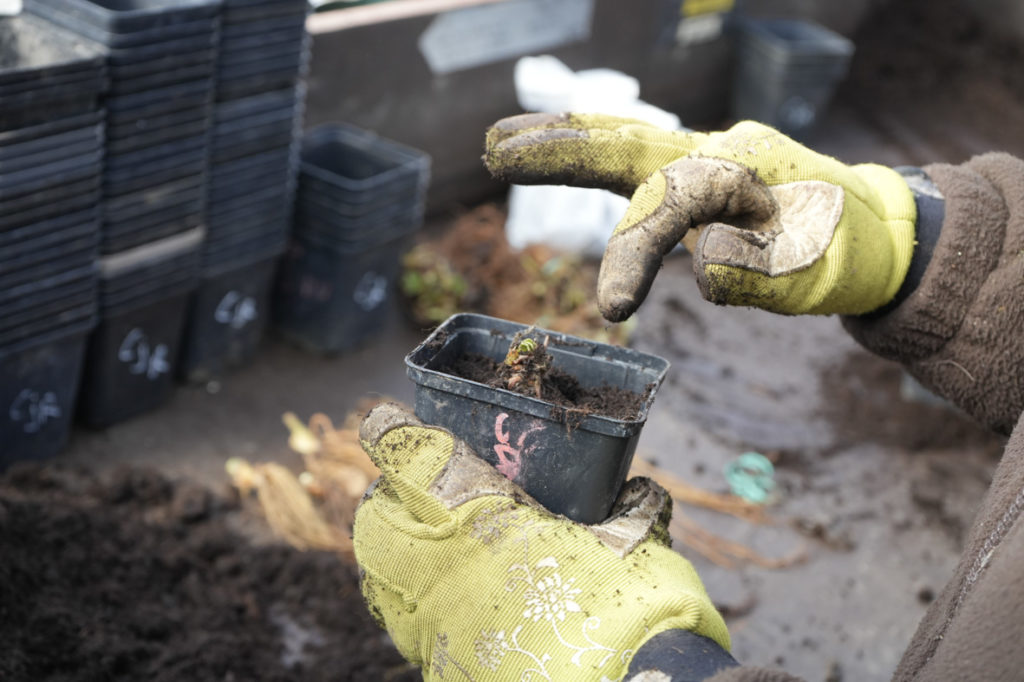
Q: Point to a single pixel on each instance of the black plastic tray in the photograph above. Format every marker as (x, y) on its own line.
(85, 144)
(575, 470)
(223, 153)
(265, 10)
(170, 77)
(147, 124)
(51, 143)
(283, 52)
(273, 100)
(217, 216)
(248, 186)
(55, 309)
(36, 328)
(130, 362)
(143, 160)
(232, 31)
(215, 264)
(227, 320)
(153, 138)
(358, 161)
(52, 127)
(126, 16)
(275, 158)
(254, 119)
(329, 302)
(246, 231)
(156, 268)
(156, 196)
(236, 88)
(158, 173)
(38, 384)
(145, 53)
(240, 235)
(259, 65)
(80, 79)
(293, 38)
(48, 296)
(162, 63)
(200, 87)
(67, 16)
(182, 202)
(57, 173)
(40, 271)
(35, 50)
(12, 239)
(112, 244)
(31, 108)
(76, 243)
(59, 279)
(266, 199)
(43, 240)
(180, 283)
(54, 203)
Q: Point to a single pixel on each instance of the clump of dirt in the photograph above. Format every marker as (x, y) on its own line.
(557, 387)
(134, 576)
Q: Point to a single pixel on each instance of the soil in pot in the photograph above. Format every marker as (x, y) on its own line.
(527, 370)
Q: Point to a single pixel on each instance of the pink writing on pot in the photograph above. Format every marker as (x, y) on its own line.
(509, 456)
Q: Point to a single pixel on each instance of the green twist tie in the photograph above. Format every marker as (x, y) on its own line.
(751, 476)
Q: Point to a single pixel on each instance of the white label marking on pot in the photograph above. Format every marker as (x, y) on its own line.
(474, 36)
(33, 409)
(236, 309)
(141, 358)
(371, 291)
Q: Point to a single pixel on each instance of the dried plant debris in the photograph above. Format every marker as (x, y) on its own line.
(471, 267)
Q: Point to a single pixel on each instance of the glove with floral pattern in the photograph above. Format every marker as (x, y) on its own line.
(475, 580)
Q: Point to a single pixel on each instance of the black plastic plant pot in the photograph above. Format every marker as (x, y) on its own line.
(130, 361)
(328, 301)
(572, 467)
(38, 385)
(226, 322)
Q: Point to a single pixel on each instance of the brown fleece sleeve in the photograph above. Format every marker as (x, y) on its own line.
(960, 331)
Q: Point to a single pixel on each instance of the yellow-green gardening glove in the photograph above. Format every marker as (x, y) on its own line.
(476, 581)
(770, 223)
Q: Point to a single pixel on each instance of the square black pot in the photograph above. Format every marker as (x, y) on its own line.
(572, 469)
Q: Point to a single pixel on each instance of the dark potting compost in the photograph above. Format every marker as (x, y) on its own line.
(133, 576)
(557, 386)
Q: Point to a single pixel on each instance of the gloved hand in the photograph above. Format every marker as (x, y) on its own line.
(770, 223)
(474, 580)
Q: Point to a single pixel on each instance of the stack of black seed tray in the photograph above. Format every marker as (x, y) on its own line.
(144, 295)
(360, 198)
(51, 152)
(264, 49)
(162, 60)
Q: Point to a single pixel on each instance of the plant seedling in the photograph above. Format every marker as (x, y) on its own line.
(526, 364)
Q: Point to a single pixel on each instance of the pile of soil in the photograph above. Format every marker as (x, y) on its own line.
(558, 387)
(137, 577)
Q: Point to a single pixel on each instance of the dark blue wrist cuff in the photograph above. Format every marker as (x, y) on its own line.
(681, 655)
(931, 211)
